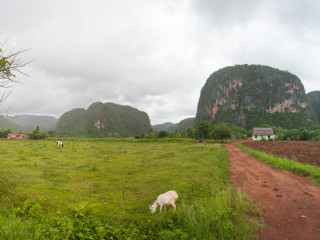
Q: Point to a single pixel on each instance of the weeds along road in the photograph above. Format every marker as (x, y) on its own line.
(289, 204)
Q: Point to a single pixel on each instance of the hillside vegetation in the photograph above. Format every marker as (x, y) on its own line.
(103, 120)
(252, 95)
(314, 98)
(182, 125)
(162, 127)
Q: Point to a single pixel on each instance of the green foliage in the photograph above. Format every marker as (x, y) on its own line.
(4, 132)
(259, 118)
(204, 129)
(240, 132)
(10, 63)
(36, 134)
(220, 131)
(150, 135)
(306, 134)
(162, 134)
(191, 132)
(5, 68)
(30, 209)
(314, 98)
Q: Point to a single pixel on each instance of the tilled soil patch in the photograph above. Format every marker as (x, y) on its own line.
(304, 152)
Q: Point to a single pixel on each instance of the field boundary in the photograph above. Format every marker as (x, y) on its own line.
(312, 172)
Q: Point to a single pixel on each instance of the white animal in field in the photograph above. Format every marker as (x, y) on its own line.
(59, 143)
(163, 200)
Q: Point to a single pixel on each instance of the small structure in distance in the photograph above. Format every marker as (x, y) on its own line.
(18, 136)
(262, 133)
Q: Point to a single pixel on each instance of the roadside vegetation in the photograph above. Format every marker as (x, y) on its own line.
(101, 188)
(312, 172)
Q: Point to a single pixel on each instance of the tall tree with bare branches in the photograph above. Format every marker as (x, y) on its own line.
(10, 65)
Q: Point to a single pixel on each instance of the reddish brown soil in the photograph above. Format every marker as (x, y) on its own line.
(289, 204)
(304, 152)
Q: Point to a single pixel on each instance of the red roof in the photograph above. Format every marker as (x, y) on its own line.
(15, 134)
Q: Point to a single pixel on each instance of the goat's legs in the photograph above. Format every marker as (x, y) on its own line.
(174, 206)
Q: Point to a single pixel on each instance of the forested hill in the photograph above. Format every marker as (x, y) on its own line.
(253, 95)
(162, 127)
(182, 125)
(171, 127)
(103, 120)
(314, 98)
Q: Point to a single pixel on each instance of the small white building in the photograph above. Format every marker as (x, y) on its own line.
(260, 133)
(18, 136)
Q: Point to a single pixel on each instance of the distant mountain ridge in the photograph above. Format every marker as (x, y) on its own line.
(103, 120)
(182, 125)
(28, 123)
(171, 127)
(162, 127)
(6, 123)
(252, 95)
(43, 121)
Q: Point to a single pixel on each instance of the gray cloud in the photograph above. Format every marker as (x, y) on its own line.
(152, 55)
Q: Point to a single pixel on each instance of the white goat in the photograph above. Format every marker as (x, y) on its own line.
(59, 143)
(163, 200)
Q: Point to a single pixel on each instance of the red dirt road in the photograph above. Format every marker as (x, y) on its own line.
(289, 204)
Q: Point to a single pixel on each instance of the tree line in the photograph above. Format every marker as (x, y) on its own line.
(222, 131)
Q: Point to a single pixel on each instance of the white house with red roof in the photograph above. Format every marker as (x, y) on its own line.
(18, 136)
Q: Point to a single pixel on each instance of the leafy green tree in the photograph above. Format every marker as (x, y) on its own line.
(36, 134)
(162, 134)
(191, 132)
(306, 134)
(174, 134)
(292, 134)
(151, 134)
(4, 132)
(52, 133)
(204, 129)
(183, 134)
(239, 132)
(221, 131)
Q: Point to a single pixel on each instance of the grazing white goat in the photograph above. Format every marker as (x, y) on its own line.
(59, 143)
(163, 200)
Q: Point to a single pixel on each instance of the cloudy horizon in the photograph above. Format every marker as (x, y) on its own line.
(152, 55)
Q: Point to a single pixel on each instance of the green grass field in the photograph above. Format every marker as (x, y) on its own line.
(100, 189)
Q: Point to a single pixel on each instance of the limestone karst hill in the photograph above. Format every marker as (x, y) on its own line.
(103, 120)
(252, 95)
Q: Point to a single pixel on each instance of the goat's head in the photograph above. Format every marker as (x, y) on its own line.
(153, 208)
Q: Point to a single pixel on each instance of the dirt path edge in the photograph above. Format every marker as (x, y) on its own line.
(289, 204)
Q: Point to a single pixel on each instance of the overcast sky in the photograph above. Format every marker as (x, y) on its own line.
(154, 55)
